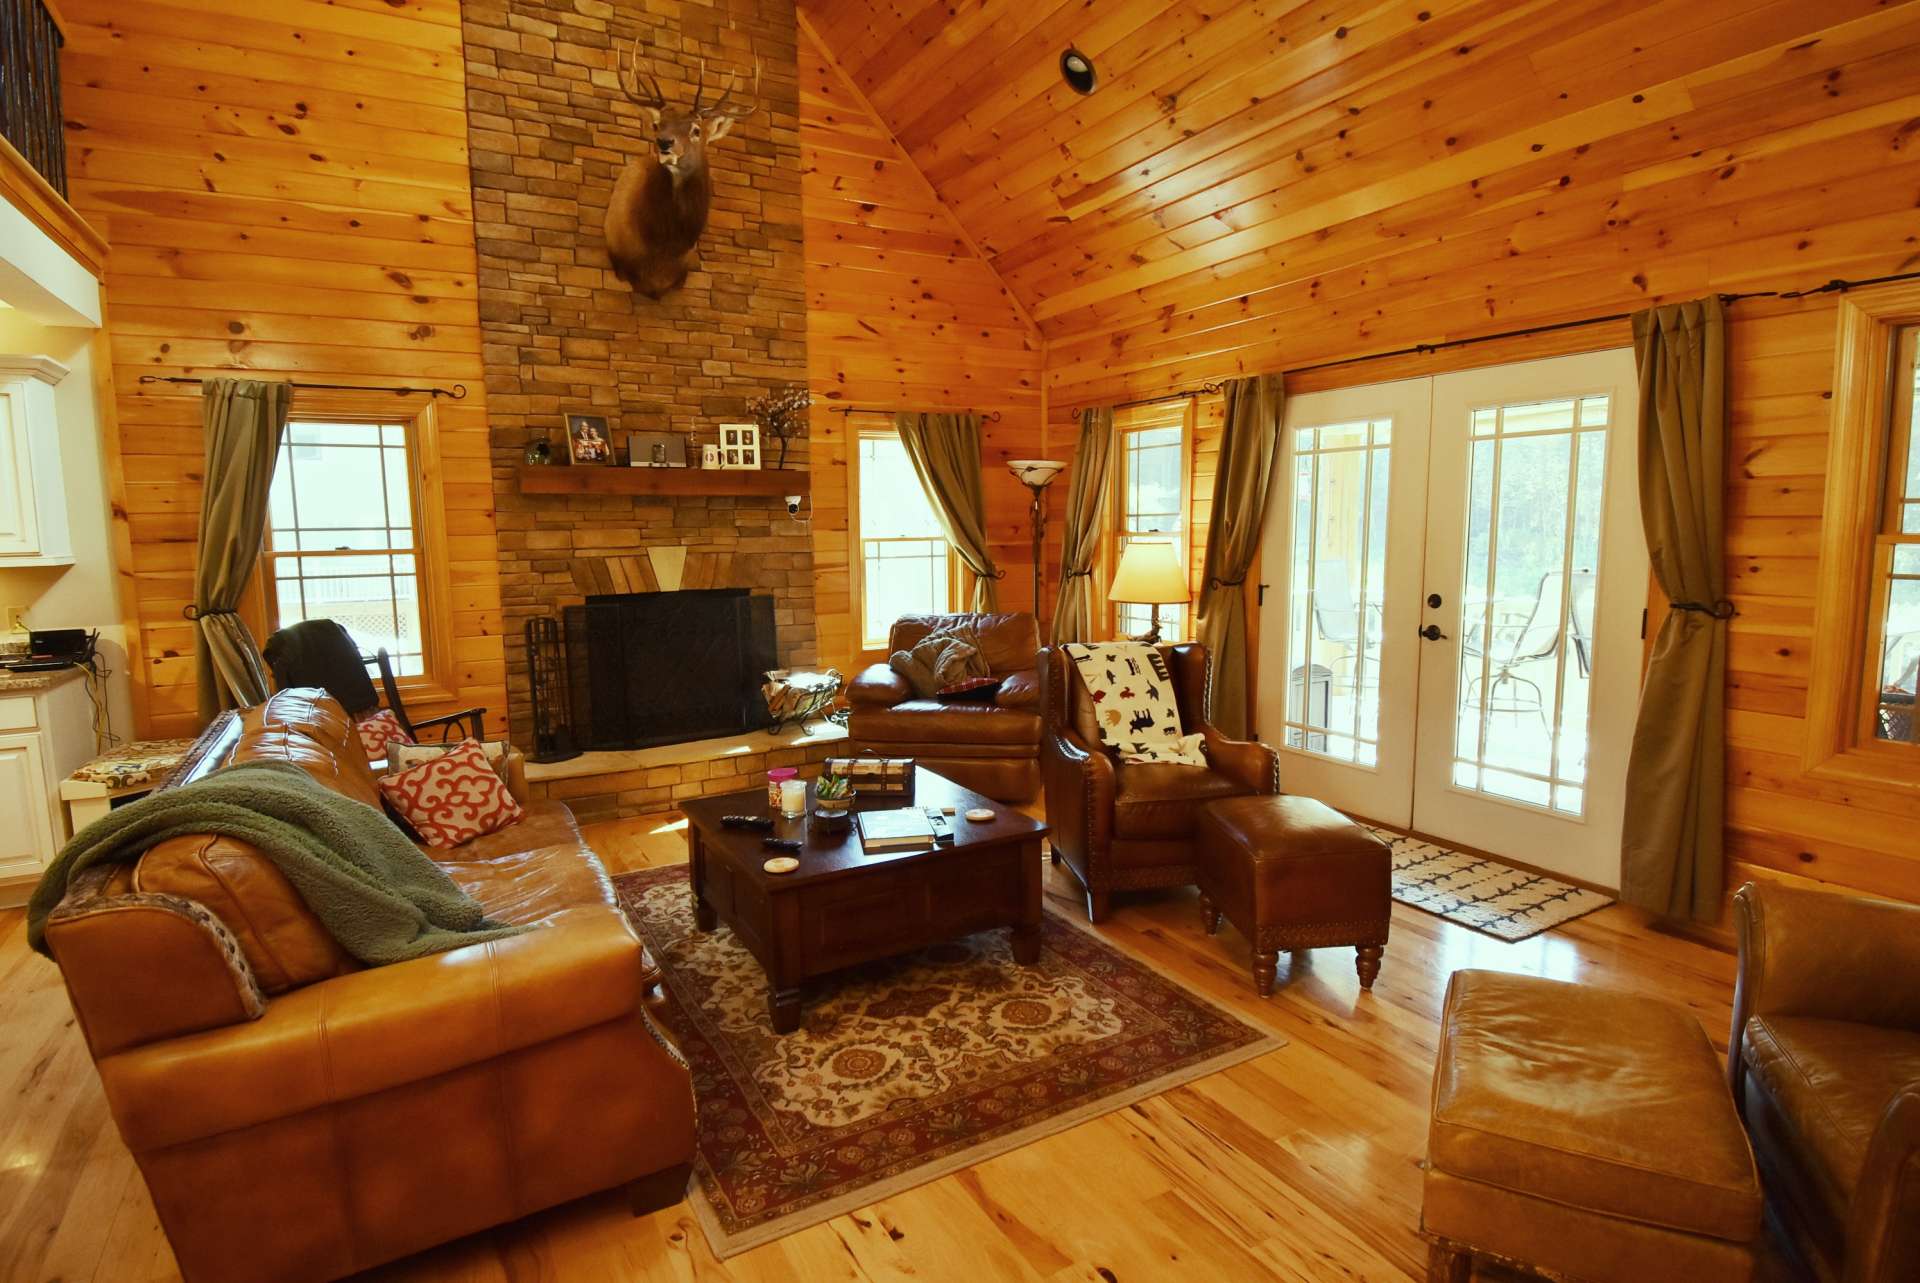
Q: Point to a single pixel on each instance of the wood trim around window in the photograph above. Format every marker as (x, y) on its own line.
(1174, 412)
(417, 414)
(1837, 745)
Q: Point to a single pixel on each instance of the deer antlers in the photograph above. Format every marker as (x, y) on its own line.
(644, 88)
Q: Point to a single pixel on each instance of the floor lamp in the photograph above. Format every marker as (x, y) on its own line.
(1036, 475)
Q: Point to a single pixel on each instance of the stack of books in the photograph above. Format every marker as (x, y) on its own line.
(905, 828)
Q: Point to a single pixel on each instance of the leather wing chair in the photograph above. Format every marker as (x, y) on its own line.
(1125, 826)
(991, 747)
(1824, 1062)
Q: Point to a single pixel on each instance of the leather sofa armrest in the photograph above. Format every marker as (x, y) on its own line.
(517, 776)
(1827, 955)
(377, 1029)
(1079, 782)
(1019, 689)
(878, 686)
(1248, 763)
(1883, 1224)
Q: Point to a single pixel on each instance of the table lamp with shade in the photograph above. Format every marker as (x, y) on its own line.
(1150, 574)
(1036, 475)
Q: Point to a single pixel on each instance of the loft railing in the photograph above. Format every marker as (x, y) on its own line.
(30, 43)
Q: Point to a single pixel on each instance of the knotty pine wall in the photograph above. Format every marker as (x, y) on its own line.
(284, 185)
(902, 314)
(1783, 166)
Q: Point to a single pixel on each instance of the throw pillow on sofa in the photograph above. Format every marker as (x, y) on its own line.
(401, 757)
(453, 798)
(378, 729)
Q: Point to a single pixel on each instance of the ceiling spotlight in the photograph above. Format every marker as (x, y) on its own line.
(1077, 70)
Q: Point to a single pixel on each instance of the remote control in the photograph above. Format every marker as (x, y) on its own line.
(781, 844)
(942, 826)
(762, 822)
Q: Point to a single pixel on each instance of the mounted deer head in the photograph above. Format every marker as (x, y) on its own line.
(659, 205)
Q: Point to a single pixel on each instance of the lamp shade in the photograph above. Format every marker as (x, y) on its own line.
(1038, 473)
(1150, 574)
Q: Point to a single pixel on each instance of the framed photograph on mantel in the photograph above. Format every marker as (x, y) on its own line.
(588, 440)
(739, 445)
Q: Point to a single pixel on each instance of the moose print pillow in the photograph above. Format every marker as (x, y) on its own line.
(1133, 698)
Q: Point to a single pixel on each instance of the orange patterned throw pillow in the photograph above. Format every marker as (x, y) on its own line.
(452, 798)
(376, 729)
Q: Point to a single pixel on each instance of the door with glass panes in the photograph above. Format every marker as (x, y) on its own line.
(1454, 576)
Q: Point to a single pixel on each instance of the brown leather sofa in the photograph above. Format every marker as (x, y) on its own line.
(1824, 1062)
(299, 1117)
(1125, 826)
(992, 747)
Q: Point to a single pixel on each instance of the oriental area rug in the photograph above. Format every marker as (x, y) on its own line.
(905, 1070)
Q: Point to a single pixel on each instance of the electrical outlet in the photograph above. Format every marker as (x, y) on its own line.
(16, 619)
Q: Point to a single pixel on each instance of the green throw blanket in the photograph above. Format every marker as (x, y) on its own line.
(375, 891)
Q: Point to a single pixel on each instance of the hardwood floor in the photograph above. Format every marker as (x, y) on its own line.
(1301, 1165)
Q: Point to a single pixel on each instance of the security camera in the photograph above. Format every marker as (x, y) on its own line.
(793, 505)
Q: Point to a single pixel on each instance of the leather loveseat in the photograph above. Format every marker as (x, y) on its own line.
(992, 746)
(1824, 1062)
(300, 1117)
(1126, 826)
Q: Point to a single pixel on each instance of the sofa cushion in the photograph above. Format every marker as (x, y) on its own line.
(308, 729)
(1163, 799)
(534, 873)
(1591, 1099)
(1832, 1079)
(1007, 642)
(930, 722)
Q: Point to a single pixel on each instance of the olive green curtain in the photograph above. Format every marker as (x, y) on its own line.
(945, 450)
(243, 420)
(1676, 776)
(1240, 482)
(1073, 606)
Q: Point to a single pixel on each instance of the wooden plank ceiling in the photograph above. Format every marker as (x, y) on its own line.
(1242, 165)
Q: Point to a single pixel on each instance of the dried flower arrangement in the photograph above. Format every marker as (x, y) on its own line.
(781, 415)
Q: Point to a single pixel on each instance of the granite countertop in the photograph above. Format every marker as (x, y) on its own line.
(33, 683)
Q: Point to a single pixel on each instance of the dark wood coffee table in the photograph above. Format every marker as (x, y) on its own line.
(842, 906)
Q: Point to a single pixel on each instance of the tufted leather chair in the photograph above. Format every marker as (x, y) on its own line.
(991, 747)
(1125, 826)
(1824, 1062)
(300, 1117)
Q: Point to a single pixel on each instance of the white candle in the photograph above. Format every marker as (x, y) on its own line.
(793, 798)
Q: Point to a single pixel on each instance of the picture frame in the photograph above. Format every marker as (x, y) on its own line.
(656, 450)
(740, 446)
(589, 441)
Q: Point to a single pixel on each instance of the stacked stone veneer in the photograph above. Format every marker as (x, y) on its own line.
(617, 794)
(550, 131)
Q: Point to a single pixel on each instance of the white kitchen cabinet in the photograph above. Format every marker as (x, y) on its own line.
(33, 492)
(46, 731)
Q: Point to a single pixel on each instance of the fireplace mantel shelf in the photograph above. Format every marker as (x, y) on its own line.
(591, 479)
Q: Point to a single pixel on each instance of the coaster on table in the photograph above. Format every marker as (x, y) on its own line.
(781, 864)
(979, 815)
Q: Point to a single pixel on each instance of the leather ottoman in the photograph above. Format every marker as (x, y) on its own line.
(1293, 873)
(1583, 1134)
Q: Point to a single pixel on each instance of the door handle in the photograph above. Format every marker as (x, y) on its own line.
(1432, 632)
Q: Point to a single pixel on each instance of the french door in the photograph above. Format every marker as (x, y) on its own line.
(1449, 635)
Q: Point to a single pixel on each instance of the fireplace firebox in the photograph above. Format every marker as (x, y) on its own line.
(667, 667)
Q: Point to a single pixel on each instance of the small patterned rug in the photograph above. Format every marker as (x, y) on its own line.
(905, 1070)
(1485, 895)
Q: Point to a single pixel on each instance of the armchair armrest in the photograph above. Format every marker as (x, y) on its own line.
(1079, 784)
(1883, 1224)
(878, 686)
(1248, 763)
(373, 1030)
(447, 722)
(1019, 689)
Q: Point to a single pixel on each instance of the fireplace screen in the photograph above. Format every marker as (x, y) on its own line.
(667, 667)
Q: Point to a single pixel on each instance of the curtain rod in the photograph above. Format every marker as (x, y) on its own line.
(1835, 286)
(457, 392)
(992, 416)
